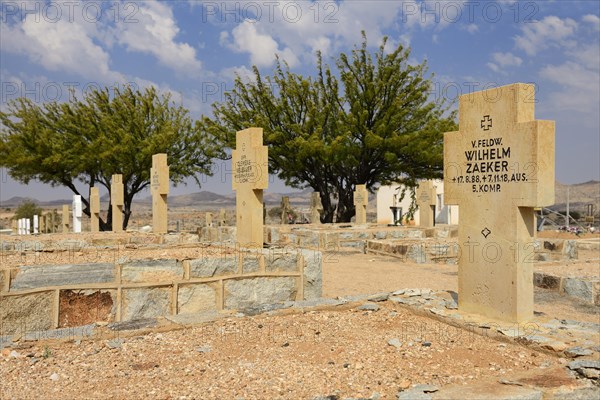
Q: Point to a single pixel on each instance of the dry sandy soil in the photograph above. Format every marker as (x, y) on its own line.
(295, 356)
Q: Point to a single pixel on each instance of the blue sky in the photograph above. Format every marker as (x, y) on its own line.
(193, 49)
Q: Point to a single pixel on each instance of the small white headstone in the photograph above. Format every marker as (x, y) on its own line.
(77, 213)
(27, 226)
(36, 225)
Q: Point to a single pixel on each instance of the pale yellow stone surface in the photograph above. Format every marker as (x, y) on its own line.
(426, 201)
(497, 168)
(117, 199)
(42, 223)
(94, 209)
(159, 175)
(209, 219)
(285, 209)
(222, 217)
(250, 178)
(65, 218)
(361, 200)
(316, 207)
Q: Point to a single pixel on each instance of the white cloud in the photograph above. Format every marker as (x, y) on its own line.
(261, 47)
(471, 28)
(59, 46)
(155, 34)
(503, 60)
(580, 87)
(296, 30)
(246, 74)
(549, 32)
(507, 59)
(593, 20)
(588, 55)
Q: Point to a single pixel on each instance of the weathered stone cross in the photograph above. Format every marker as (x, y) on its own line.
(94, 209)
(361, 200)
(497, 174)
(250, 177)
(426, 200)
(315, 208)
(159, 175)
(117, 201)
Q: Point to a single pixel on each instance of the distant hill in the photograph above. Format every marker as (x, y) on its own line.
(580, 195)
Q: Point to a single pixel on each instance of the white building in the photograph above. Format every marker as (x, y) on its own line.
(444, 214)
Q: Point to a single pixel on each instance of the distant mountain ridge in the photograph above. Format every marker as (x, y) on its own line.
(579, 195)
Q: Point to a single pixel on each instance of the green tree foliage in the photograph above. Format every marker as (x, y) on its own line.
(370, 122)
(103, 134)
(27, 209)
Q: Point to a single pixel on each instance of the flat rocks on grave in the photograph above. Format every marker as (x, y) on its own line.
(578, 352)
(135, 324)
(584, 364)
(368, 307)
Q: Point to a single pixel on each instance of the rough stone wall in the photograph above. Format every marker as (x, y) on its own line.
(238, 279)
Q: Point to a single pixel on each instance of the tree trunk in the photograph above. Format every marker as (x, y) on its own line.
(328, 208)
(345, 206)
(127, 210)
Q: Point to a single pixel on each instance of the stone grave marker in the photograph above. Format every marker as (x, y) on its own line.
(316, 207)
(20, 229)
(27, 226)
(285, 210)
(497, 168)
(77, 213)
(36, 224)
(209, 220)
(94, 209)
(250, 178)
(14, 225)
(222, 217)
(53, 221)
(426, 201)
(117, 200)
(65, 219)
(43, 223)
(160, 189)
(361, 200)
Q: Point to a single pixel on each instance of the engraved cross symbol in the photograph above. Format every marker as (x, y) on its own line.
(486, 123)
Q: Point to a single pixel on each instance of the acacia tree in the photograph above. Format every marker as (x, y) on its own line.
(103, 134)
(370, 122)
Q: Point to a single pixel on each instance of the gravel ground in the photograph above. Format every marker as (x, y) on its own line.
(298, 356)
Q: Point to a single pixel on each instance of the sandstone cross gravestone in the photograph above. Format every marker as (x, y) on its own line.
(43, 223)
(250, 178)
(65, 219)
(426, 201)
(285, 210)
(315, 208)
(117, 196)
(497, 168)
(361, 200)
(222, 217)
(54, 221)
(160, 189)
(94, 209)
